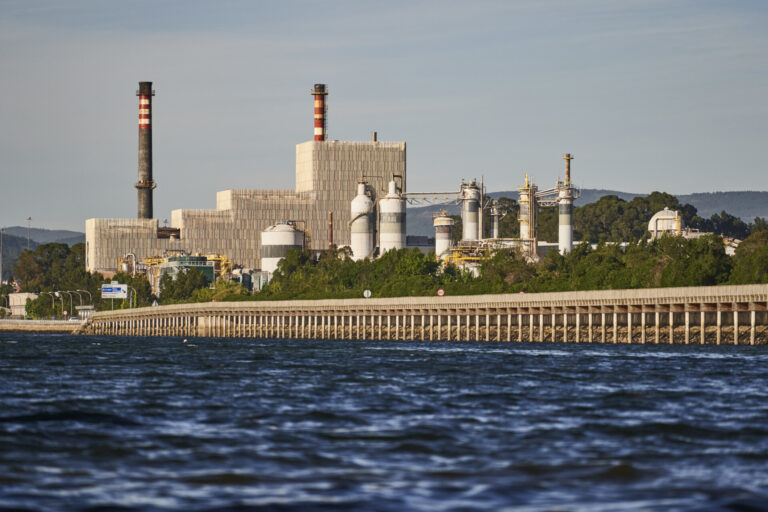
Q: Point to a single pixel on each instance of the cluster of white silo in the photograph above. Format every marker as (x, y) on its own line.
(391, 221)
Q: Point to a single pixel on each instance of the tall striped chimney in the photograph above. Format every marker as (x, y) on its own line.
(145, 185)
(319, 92)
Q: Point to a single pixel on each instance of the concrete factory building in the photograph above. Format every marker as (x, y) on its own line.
(327, 174)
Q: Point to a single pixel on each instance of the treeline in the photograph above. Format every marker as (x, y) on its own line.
(56, 267)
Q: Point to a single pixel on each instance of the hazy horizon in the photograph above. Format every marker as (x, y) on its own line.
(647, 94)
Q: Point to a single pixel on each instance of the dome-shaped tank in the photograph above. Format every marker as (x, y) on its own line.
(665, 221)
(276, 241)
(362, 225)
(443, 226)
(392, 220)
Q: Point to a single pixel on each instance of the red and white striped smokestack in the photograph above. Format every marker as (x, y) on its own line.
(319, 92)
(145, 183)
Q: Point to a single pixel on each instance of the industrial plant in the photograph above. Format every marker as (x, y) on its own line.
(347, 194)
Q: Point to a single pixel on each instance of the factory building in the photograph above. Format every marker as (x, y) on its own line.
(327, 174)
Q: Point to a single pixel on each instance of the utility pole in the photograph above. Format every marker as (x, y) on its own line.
(29, 225)
(1, 256)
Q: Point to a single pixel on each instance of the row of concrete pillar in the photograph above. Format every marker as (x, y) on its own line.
(617, 327)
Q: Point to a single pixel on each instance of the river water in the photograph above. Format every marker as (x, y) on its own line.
(99, 423)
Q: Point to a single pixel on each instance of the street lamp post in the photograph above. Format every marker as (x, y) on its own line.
(60, 296)
(90, 297)
(71, 306)
(78, 296)
(135, 296)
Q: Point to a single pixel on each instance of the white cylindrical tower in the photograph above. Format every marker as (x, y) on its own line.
(495, 218)
(276, 241)
(524, 216)
(362, 240)
(470, 209)
(565, 217)
(391, 220)
(443, 226)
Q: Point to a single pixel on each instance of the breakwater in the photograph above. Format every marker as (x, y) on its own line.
(40, 326)
(706, 315)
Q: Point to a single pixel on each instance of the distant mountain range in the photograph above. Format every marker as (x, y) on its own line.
(744, 204)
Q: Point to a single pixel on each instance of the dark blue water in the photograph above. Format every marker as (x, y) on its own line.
(105, 423)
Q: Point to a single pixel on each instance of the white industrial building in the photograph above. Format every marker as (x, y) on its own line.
(327, 174)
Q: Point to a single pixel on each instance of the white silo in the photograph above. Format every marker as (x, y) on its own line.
(443, 226)
(276, 241)
(362, 225)
(470, 210)
(391, 220)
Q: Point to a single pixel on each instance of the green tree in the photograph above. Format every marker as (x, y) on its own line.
(750, 263)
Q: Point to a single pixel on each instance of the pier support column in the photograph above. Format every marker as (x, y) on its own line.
(541, 327)
(530, 327)
(736, 325)
(752, 327)
(448, 326)
(687, 327)
(719, 325)
(615, 326)
(554, 326)
(602, 326)
(703, 327)
(671, 327)
(578, 327)
(629, 326)
(439, 326)
(519, 327)
(589, 326)
(565, 326)
(642, 327)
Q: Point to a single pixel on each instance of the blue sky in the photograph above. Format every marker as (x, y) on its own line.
(648, 95)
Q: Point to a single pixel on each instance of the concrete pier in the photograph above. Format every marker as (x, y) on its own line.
(663, 315)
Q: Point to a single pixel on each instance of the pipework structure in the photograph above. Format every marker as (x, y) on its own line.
(145, 185)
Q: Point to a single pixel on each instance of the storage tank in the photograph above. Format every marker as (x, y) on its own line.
(495, 219)
(470, 211)
(362, 239)
(276, 241)
(392, 220)
(443, 226)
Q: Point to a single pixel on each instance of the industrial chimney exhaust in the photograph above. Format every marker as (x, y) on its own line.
(145, 185)
(320, 92)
